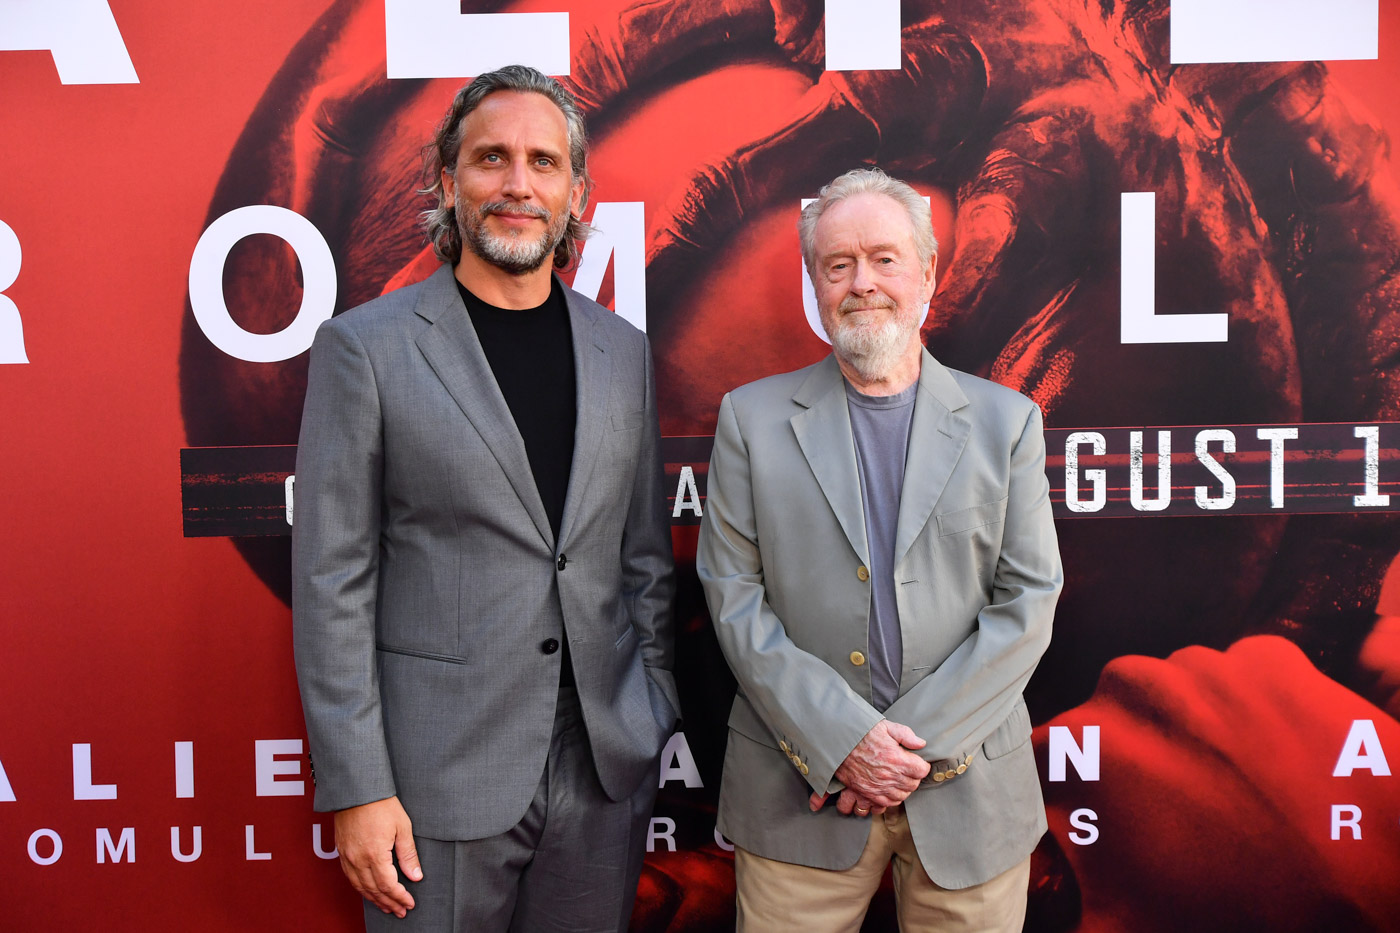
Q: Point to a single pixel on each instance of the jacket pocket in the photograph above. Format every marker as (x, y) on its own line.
(743, 719)
(412, 653)
(1011, 734)
(627, 420)
(988, 513)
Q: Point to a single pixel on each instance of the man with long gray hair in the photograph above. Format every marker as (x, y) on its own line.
(482, 572)
(881, 566)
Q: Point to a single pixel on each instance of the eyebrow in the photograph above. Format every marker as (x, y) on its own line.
(877, 248)
(554, 154)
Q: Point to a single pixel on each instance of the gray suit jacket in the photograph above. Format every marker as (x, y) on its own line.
(426, 577)
(782, 556)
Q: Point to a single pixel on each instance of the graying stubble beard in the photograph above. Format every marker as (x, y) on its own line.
(516, 256)
(874, 353)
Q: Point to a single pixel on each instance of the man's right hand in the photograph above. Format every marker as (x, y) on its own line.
(368, 836)
(881, 769)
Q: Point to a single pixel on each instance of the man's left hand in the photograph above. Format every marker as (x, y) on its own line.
(847, 803)
(883, 768)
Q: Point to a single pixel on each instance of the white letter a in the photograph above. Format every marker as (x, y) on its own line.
(82, 36)
(1362, 749)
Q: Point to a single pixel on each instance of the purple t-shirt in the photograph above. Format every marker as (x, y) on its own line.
(881, 428)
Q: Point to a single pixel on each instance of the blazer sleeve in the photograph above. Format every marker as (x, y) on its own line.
(648, 563)
(335, 571)
(801, 699)
(958, 705)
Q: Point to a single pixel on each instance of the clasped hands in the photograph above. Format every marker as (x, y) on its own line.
(879, 772)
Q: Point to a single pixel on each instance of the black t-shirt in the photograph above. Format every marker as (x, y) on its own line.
(531, 352)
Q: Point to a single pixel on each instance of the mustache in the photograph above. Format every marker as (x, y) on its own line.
(851, 303)
(514, 208)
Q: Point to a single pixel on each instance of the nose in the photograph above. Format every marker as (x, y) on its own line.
(863, 281)
(516, 184)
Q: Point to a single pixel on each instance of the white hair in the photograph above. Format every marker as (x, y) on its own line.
(869, 181)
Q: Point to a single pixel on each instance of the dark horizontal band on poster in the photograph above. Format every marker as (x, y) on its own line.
(1093, 473)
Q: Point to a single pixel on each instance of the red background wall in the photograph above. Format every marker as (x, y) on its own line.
(119, 631)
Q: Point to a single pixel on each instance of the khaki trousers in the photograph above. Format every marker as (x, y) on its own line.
(775, 897)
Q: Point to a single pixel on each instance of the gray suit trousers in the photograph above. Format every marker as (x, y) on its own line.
(570, 864)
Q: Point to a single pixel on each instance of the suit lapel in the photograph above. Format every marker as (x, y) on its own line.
(454, 352)
(936, 440)
(824, 433)
(592, 380)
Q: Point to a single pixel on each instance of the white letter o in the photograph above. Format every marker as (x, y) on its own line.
(52, 836)
(207, 283)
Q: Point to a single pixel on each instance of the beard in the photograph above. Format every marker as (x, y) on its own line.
(871, 349)
(517, 254)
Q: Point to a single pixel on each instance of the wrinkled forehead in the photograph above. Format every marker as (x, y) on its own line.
(865, 223)
(514, 117)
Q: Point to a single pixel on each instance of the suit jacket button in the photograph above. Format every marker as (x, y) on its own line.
(961, 768)
(563, 561)
(857, 658)
(549, 645)
(862, 573)
(939, 777)
(787, 750)
(804, 769)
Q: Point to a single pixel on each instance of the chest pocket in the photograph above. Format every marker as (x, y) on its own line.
(978, 516)
(627, 420)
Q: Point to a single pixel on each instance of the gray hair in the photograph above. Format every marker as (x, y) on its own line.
(868, 181)
(440, 155)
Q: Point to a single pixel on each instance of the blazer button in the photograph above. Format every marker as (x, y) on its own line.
(939, 777)
(787, 750)
(862, 573)
(857, 658)
(563, 561)
(549, 645)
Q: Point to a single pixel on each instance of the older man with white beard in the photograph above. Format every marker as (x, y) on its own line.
(881, 566)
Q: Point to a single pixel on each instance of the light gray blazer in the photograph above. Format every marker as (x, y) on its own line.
(426, 578)
(782, 556)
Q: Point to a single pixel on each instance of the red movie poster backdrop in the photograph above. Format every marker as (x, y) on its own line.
(1217, 715)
